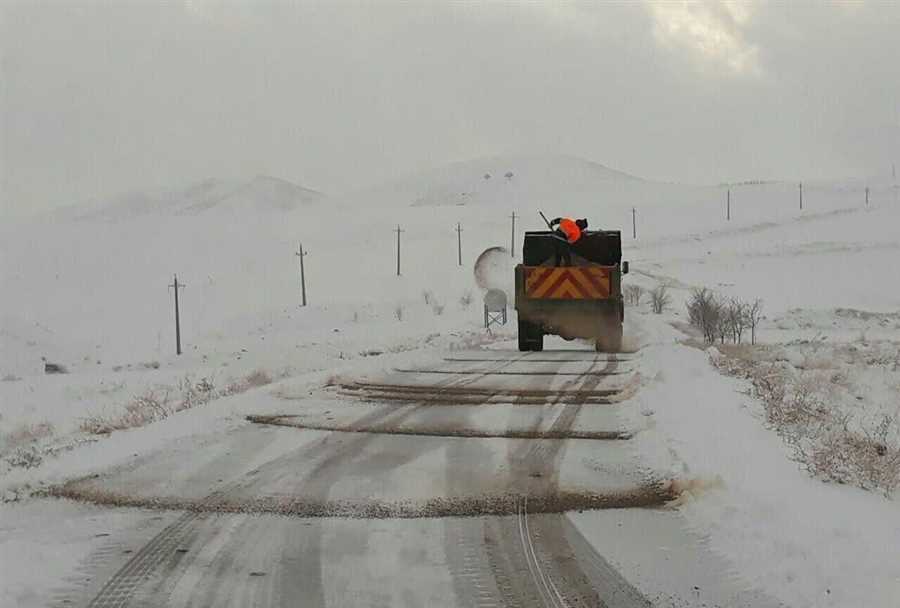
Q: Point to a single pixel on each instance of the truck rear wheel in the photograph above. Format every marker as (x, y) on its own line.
(530, 337)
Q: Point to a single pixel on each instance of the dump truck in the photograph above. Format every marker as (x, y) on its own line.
(580, 300)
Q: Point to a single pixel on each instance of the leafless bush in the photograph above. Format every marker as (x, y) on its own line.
(465, 300)
(754, 315)
(195, 393)
(720, 319)
(633, 294)
(659, 298)
(428, 296)
(705, 313)
(10, 378)
(736, 319)
(398, 312)
(26, 457)
(437, 309)
(95, 425)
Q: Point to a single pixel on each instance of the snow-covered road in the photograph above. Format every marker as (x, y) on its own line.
(489, 478)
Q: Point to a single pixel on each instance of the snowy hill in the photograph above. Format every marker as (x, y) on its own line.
(503, 181)
(261, 194)
(562, 184)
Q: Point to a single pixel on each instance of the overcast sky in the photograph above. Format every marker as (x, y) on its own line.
(100, 98)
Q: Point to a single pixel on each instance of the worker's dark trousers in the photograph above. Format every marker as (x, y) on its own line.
(563, 250)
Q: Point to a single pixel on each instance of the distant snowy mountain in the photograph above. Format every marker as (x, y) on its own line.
(504, 181)
(262, 194)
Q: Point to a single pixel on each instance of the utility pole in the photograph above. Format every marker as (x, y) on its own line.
(512, 243)
(398, 230)
(459, 242)
(301, 254)
(728, 206)
(176, 285)
(801, 196)
(633, 223)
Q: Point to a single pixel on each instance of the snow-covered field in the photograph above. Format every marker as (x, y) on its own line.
(90, 293)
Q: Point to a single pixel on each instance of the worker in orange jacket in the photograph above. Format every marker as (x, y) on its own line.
(569, 230)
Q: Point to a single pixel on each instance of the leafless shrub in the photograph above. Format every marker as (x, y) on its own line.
(465, 300)
(94, 425)
(398, 312)
(705, 313)
(26, 457)
(736, 319)
(437, 309)
(659, 298)
(720, 319)
(633, 294)
(428, 296)
(10, 378)
(754, 315)
(195, 393)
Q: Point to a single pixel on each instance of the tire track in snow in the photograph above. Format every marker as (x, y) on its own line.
(120, 589)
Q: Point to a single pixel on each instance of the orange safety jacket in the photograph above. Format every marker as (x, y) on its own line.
(570, 229)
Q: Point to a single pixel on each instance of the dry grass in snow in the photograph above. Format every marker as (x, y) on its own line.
(20, 446)
(836, 432)
(159, 403)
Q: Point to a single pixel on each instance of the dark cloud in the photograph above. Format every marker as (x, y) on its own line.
(101, 98)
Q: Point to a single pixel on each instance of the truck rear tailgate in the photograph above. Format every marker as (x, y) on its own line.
(568, 282)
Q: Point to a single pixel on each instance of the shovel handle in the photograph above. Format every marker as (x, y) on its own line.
(545, 220)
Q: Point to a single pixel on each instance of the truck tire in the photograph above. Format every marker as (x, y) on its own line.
(530, 337)
(524, 342)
